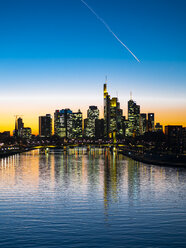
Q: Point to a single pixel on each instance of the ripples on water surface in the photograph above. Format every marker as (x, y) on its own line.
(94, 199)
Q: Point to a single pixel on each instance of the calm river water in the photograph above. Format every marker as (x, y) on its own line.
(90, 199)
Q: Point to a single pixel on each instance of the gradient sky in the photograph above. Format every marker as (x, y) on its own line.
(55, 54)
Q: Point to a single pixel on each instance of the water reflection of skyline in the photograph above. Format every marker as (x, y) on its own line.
(96, 197)
(98, 173)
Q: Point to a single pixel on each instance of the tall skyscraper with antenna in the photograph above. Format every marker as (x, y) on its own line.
(112, 114)
(133, 118)
(106, 110)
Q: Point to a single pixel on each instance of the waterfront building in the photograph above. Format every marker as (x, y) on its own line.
(68, 124)
(133, 118)
(4, 135)
(45, 125)
(77, 119)
(25, 133)
(112, 115)
(143, 123)
(150, 122)
(158, 127)
(106, 111)
(63, 123)
(174, 136)
(90, 123)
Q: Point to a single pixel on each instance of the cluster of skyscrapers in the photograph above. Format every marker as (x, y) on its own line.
(21, 131)
(70, 125)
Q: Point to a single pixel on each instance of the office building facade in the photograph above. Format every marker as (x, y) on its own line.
(133, 118)
(90, 122)
(45, 125)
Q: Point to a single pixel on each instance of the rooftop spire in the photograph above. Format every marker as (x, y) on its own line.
(131, 95)
(105, 87)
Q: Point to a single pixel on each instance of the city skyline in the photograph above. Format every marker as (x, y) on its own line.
(59, 55)
(72, 124)
(34, 124)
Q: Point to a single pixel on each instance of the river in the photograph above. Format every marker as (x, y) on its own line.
(92, 199)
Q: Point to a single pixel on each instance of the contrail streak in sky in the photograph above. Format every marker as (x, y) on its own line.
(109, 29)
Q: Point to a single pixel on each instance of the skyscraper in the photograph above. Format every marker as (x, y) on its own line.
(106, 111)
(25, 133)
(92, 115)
(150, 122)
(21, 131)
(68, 124)
(133, 118)
(112, 115)
(143, 123)
(20, 123)
(158, 128)
(45, 125)
(77, 119)
(63, 123)
(174, 136)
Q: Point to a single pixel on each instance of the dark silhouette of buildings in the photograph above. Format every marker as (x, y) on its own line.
(21, 131)
(150, 122)
(45, 125)
(99, 128)
(174, 136)
(158, 127)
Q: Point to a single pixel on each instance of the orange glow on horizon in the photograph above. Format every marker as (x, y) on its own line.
(166, 116)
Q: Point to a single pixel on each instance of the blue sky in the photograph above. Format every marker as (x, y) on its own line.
(60, 50)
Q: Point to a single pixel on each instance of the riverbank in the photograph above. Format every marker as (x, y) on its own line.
(7, 153)
(160, 159)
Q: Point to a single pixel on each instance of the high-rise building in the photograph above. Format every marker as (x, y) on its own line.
(150, 122)
(18, 126)
(115, 116)
(174, 135)
(20, 123)
(21, 131)
(25, 133)
(68, 124)
(143, 123)
(77, 119)
(45, 125)
(106, 111)
(112, 115)
(158, 128)
(92, 115)
(133, 118)
(63, 123)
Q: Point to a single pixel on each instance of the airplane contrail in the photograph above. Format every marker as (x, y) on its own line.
(109, 29)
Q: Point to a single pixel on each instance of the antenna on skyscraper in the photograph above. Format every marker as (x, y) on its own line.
(131, 95)
(106, 79)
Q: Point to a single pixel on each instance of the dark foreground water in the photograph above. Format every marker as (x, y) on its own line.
(95, 199)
